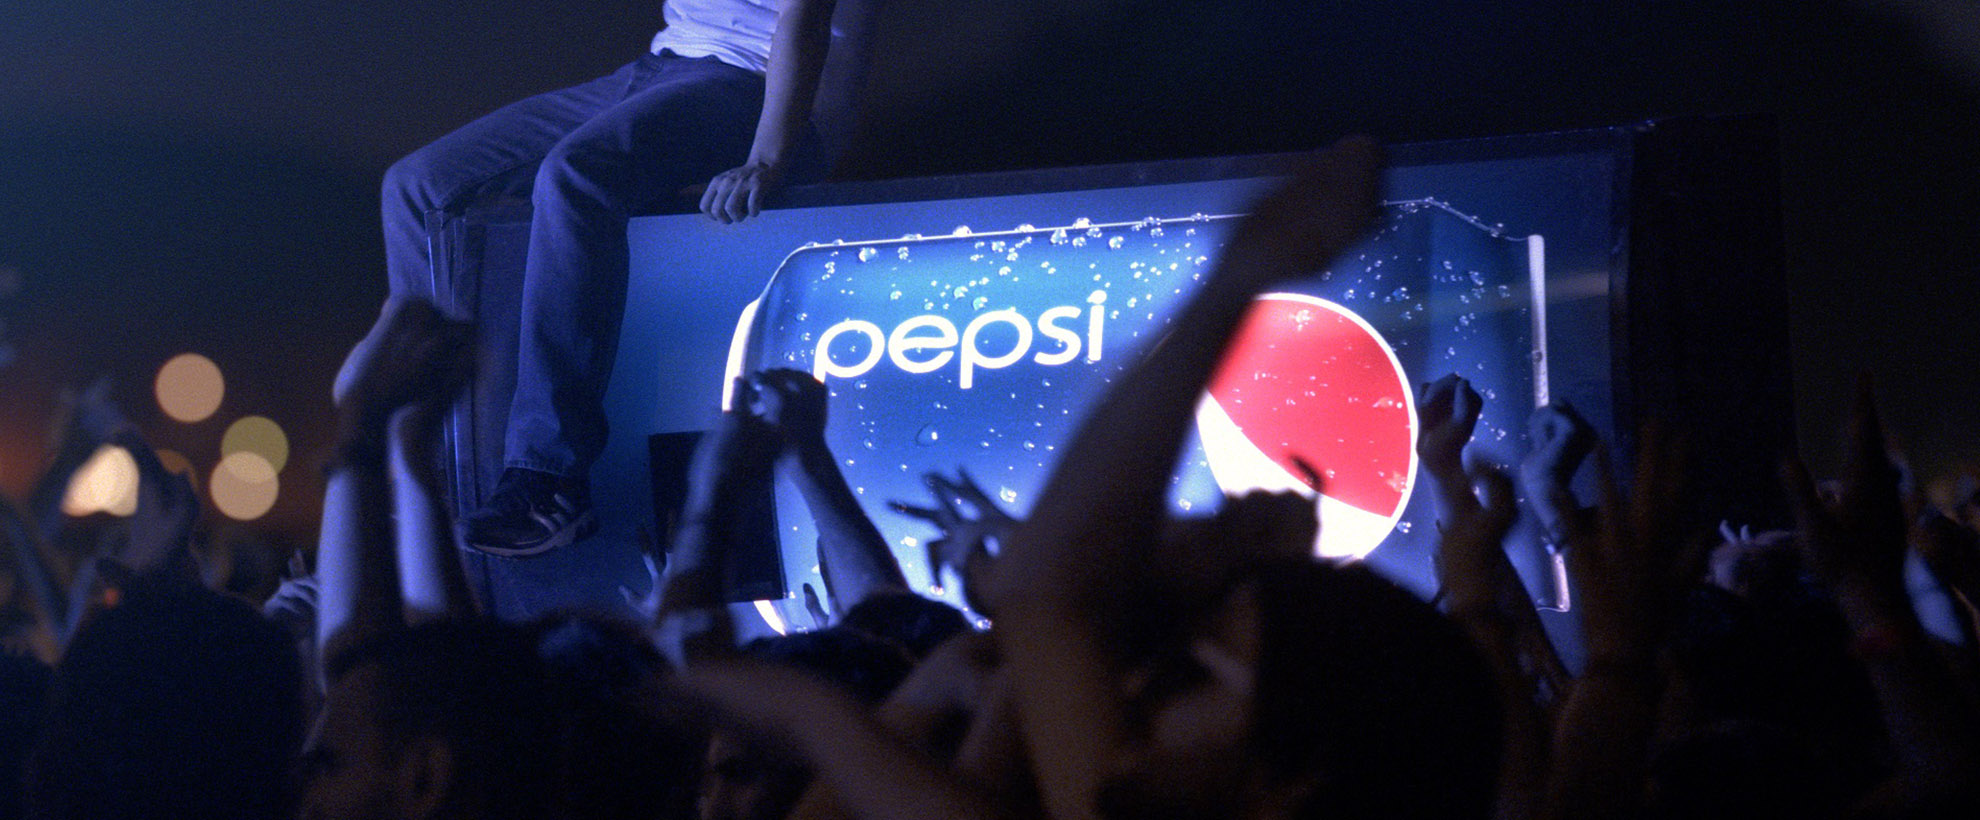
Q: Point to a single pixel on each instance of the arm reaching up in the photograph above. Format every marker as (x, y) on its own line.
(1855, 543)
(430, 575)
(852, 555)
(1064, 578)
(409, 356)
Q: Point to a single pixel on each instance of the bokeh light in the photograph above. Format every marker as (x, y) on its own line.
(244, 486)
(107, 482)
(260, 436)
(189, 387)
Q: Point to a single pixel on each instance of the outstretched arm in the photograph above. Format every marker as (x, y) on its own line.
(430, 575)
(1478, 587)
(851, 552)
(797, 57)
(1060, 582)
(1855, 544)
(732, 463)
(1626, 564)
(406, 358)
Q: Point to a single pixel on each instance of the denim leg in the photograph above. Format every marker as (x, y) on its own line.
(686, 121)
(495, 154)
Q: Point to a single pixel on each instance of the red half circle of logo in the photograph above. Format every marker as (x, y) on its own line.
(1305, 379)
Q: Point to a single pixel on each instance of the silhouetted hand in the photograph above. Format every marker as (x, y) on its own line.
(412, 354)
(1855, 541)
(739, 193)
(1624, 559)
(1302, 226)
(167, 509)
(294, 605)
(791, 401)
(1561, 441)
(971, 524)
(1448, 411)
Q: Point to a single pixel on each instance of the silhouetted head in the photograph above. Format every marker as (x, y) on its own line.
(1311, 690)
(741, 781)
(627, 752)
(918, 624)
(451, 719)
(170, 702)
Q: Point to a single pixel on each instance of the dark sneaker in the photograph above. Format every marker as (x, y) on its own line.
(531, 512)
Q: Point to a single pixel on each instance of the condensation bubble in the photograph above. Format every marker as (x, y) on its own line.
(867, 254)
(927, 435)
(903, 253)
(1115, 243)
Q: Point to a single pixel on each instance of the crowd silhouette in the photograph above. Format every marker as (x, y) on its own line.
(1134, 666)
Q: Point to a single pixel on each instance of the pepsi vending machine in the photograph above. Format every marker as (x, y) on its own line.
(970, 322)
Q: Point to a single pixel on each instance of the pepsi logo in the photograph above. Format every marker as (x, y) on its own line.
(1307, 380)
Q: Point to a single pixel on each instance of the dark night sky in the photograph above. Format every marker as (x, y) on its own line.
(201, 175)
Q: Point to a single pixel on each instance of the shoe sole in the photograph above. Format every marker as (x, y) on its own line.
(580, 528)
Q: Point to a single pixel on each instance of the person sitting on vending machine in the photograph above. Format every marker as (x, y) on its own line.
(724, 98)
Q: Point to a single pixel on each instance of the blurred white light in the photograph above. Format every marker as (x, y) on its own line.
(107, 482)
(244, 486)
(189, 387)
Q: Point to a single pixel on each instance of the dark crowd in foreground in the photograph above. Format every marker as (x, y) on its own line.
(1135, 665)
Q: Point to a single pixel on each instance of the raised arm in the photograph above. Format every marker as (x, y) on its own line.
(1478, 587)
(797, 58)
(432, 582)
(403, 360)
(1855, 544)
(731, 464)
(1060, 584)
(1626, 564)
(855, 559)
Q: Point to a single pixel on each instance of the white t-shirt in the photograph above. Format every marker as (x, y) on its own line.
(736, 32)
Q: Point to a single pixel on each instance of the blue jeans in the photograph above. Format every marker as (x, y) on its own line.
(588, 157)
